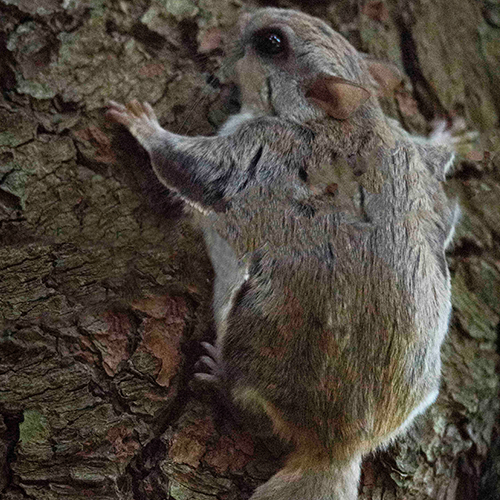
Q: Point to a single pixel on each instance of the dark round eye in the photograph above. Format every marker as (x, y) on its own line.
(270, 43)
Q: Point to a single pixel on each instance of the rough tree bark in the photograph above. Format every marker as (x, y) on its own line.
(105, 287)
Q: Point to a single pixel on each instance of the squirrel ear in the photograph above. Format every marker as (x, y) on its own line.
(336, 96)
(386, 74)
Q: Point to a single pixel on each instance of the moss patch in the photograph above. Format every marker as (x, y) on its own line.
(34, 428)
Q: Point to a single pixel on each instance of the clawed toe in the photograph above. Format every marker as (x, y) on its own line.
(131, 112)
(113, 105)
(207, 362)
(118, 113)
(211, 350)
(207, 379)
(208, 368)
(139, 118)
(136, 108)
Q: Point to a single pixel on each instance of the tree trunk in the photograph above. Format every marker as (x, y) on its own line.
(105, 285)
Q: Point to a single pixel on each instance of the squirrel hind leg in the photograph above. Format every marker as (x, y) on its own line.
(330, 480)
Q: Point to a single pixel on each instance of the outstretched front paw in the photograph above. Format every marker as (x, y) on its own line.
(140, 119)
(450, 133)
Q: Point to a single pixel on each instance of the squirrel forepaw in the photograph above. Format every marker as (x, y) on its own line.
(450, 132)
(139, 118)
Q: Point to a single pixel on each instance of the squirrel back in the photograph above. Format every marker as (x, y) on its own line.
(326, 224)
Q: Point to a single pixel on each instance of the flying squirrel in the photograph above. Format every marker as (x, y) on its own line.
(326, 224)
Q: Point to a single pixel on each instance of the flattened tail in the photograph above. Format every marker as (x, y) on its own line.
(332, 480)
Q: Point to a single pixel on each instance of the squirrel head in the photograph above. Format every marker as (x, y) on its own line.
(296, 66)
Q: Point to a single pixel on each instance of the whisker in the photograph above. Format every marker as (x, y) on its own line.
(224, 72)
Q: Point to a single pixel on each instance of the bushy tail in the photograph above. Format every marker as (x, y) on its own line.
(329, 481)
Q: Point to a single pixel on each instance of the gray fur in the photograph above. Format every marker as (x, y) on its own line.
(327, 236)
